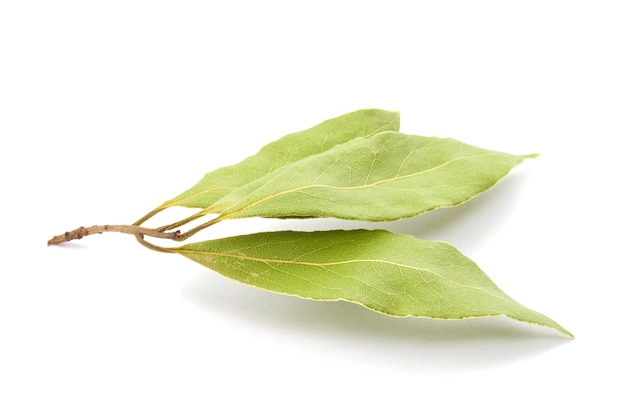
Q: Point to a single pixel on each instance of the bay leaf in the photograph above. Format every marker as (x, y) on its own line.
(394, 274)
(322, 137)
(389, 176)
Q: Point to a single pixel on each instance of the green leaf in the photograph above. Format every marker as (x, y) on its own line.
(290, 148)
(394, 274)
(387, 177)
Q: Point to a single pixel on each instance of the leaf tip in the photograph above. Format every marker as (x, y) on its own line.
(550, 324)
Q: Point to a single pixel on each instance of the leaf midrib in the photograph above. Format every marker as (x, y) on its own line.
(323, 265)
(355, 187)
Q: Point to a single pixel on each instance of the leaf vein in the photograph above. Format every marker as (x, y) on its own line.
(346, 262)
(356, 187)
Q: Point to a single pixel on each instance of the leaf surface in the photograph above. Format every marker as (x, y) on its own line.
(387, 177)
(290, 148)
(394, 274)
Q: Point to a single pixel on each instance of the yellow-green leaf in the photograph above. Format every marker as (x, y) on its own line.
(290, 148)
(394, 274)
(387, 177)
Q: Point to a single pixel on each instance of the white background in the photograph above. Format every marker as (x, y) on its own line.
(109, 108)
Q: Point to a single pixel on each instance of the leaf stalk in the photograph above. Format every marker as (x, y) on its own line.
(139, 231)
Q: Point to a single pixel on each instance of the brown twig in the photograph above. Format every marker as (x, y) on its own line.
(139, 231)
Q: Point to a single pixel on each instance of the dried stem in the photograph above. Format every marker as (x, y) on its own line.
(184, 221)
(152, 246)
(196, 229)
(131, 230)
(149, 215)
(163, 232)
(175, 225)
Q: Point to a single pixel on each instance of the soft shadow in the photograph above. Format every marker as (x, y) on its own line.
(69, 246)
(350, 331)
